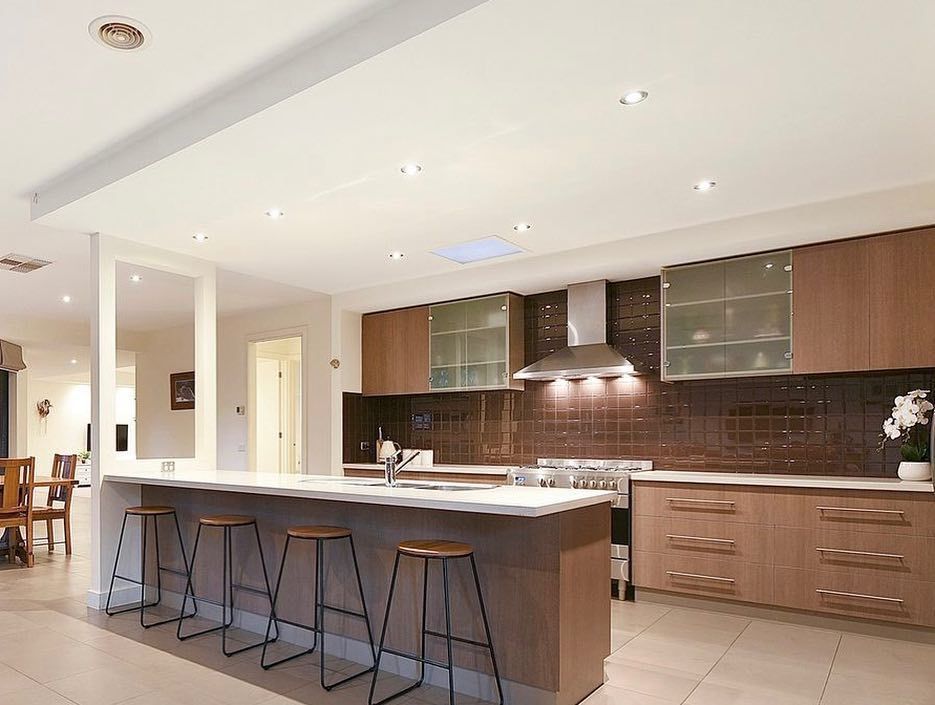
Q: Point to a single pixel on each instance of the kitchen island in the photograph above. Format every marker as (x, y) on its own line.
(542, 556)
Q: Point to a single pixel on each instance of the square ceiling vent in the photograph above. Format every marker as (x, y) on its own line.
(24, 264)
(478, 250)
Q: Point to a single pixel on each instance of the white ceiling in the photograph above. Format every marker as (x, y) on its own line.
(512, 109)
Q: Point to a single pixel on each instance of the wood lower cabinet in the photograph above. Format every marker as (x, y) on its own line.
(869, 555)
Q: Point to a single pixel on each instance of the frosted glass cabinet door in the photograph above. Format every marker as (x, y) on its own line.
(470, 343)
(729, 318)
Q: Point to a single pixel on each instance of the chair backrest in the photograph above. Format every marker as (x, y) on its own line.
(19, 477)
(63, 466)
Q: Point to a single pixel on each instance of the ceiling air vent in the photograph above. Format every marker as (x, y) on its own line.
(120, 33)
(22, 263)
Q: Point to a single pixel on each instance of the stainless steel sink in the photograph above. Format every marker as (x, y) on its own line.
(361, 481)
(444, 486)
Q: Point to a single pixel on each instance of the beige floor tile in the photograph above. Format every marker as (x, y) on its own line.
(876, 690)
(53, 664)
(658, 681)
(886, 659)
(682, 654)
(12, 681)
(788, 641)
(612, 695)
(103, 686)
(698, 626)
(714, 694)
(35, 695)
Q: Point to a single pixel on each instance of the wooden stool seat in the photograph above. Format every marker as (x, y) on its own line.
(318, 532)
(227, 520)
(151, 511)
(434, 548)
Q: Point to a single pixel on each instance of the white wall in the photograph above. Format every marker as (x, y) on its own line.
(234, 334)
(161, 432)
(65, 429)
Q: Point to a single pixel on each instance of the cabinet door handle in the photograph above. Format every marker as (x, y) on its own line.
(696, 576)
(894, 556)
(699, 538)
(692, 500)
(900, 512)
(877, 598)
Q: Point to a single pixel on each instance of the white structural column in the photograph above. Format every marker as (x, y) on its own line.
(109, 500)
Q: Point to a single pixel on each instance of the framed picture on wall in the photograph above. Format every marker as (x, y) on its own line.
(182, 386)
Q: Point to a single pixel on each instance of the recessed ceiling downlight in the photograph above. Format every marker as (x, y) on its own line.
(522, 227)
(397, 255)
(274, 213)
(120, 33)
(634, 97)
(411, 169)
(706, 185)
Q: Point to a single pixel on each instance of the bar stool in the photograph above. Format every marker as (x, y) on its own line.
(444, 551)
(227, 522)
(145, 513)
(320, 535)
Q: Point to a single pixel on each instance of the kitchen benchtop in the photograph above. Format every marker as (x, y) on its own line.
(503, 499)
(500, 470)
(824, 482)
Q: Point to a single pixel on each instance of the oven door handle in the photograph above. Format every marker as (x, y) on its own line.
(621, 501)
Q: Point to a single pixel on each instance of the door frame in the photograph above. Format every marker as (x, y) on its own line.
(250, 341)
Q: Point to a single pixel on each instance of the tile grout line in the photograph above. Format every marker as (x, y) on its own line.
(714, 665)
(834, 657)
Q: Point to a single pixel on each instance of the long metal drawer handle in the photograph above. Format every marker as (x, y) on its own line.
(676, 574)
(700, 501)
(878, 598)
(854, 509)
(699, 538)
(895, 556)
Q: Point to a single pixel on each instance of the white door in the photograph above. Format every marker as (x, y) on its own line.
(267, 416)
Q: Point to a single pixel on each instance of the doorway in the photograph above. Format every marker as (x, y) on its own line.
(275, 423)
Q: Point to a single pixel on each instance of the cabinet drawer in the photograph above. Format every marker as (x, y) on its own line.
(860, 552)
(875, 512)
(852, 595)
(709, 577)
(685, 501)
(701, 538)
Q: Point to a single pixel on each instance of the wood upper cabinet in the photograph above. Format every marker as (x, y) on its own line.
(831, 307)
(395, 352)
(902, 329)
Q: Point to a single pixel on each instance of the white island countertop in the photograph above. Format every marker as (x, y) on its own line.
(502, 499)
(823, 482)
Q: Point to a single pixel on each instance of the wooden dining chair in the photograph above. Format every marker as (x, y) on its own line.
(63, 467)
(19, 486)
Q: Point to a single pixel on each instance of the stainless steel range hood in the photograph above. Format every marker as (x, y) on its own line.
(587, 354)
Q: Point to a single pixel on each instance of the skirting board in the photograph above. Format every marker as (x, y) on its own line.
(921, 635)
(467, 682)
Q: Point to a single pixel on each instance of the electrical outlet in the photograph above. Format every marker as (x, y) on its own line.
(365, 445)
(241, 448)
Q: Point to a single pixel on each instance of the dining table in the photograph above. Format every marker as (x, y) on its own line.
(13, 533)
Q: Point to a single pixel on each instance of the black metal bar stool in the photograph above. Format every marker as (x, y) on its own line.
(145, 513)
(443, 551)
(320, 535)
(227, 522)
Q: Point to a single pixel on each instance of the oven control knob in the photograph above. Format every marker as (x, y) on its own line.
(573, 481)
(542, 482)
(592, 484)
(602, 484)
(551, 482)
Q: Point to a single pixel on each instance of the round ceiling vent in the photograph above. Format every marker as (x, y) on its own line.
(120, 33)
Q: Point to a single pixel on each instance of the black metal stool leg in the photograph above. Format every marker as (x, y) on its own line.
(272, 616)
(190, 590)
(113, 576)
(178, 531)
(483, 612)
(143, 574)
(451, 669)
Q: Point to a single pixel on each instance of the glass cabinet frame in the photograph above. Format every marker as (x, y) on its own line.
(727, 318)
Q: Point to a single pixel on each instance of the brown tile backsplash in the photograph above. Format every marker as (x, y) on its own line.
(825, 424)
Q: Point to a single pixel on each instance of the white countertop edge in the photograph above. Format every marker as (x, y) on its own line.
(503, 500)
(829, 482)
(459, 469)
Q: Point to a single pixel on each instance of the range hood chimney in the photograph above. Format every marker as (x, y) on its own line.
(587, 354)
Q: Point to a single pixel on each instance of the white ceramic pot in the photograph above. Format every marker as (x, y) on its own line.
(914, 471)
